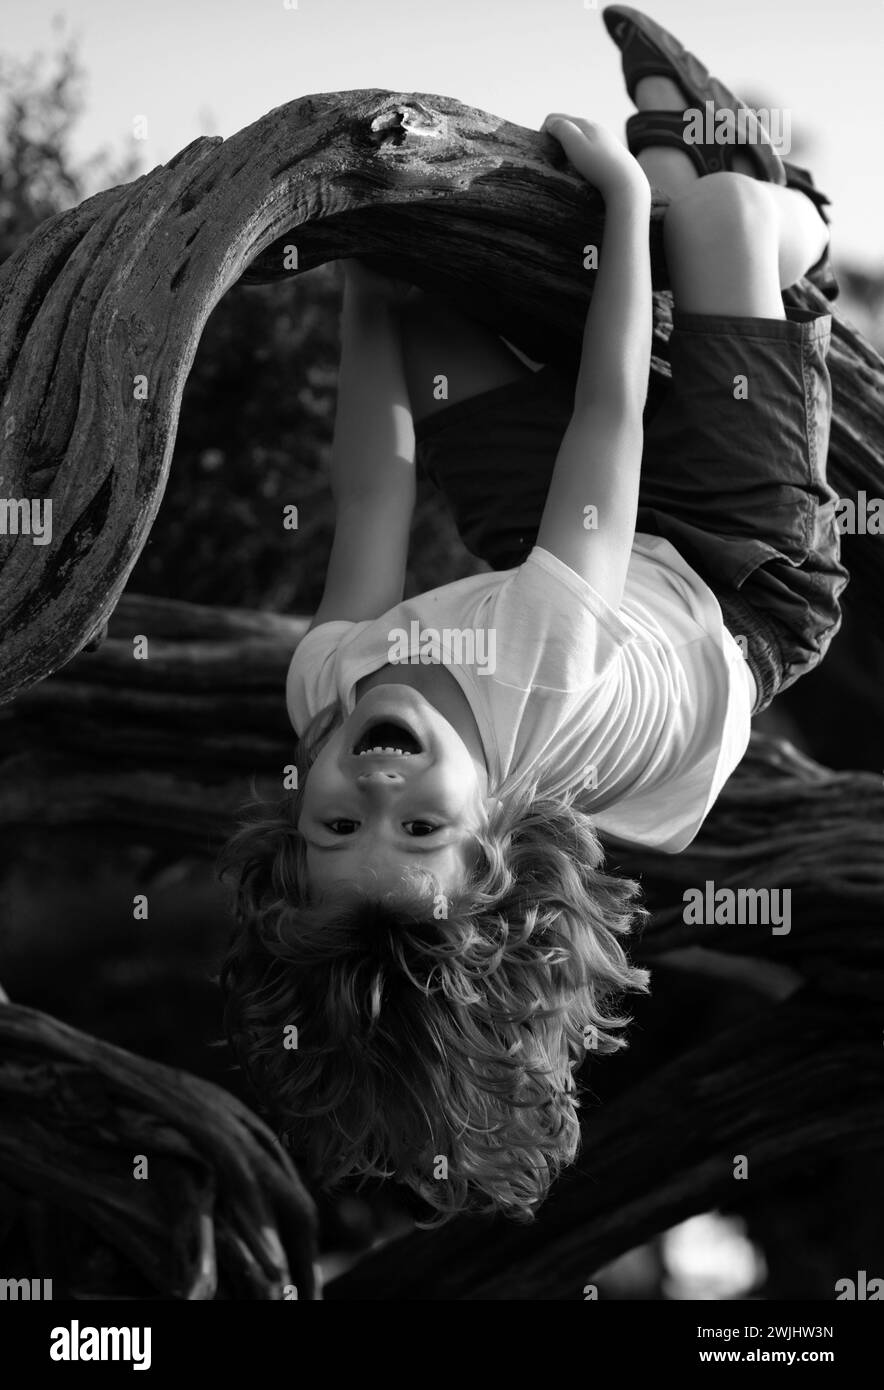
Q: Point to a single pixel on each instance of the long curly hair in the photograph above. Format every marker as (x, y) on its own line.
(432, 1039)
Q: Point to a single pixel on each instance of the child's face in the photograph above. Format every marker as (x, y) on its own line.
(369, 817)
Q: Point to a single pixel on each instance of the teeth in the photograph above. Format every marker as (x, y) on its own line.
(365, 752)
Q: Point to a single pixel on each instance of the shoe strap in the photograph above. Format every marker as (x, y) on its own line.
(667, 128)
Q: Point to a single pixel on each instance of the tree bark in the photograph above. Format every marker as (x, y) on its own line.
(166, 750)
(118, 290)
(102, 309)
(219, 1210)
(787, 1090)
(163, 752)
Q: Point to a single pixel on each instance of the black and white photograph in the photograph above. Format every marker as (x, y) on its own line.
(441, 674)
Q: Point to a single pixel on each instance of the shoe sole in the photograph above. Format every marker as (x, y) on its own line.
(696, 81)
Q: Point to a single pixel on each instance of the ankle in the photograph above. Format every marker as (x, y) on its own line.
(660, 94)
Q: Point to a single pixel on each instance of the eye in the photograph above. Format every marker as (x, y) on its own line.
(419, 827)
(341, 827)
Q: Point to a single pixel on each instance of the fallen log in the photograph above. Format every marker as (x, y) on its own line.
(146, 1182)
(169, 760)
(786, 1090)
(102, 309)
(168, 749)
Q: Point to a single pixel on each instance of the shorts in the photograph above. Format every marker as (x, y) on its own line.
(733, 475)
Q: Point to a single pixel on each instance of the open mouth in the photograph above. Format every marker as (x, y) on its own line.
(386, 736)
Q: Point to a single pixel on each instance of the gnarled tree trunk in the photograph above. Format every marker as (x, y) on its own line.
(101, 313)
(103, 307)
(162, 751)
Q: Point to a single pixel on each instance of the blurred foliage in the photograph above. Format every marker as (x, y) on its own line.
(254, 437)
(38, 173)
(257, 411)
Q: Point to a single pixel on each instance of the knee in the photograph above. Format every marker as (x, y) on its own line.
(722, 207)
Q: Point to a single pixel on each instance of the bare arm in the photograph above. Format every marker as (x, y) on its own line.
(372, 470)
(599, 461)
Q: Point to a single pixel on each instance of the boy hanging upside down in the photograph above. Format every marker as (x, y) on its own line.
(430, 908)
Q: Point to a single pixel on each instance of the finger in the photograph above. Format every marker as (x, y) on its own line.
(569, 136)
(556, 118)
(580, 121)
(582, 124)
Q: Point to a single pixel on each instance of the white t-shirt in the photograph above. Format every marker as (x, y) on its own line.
(647, 709)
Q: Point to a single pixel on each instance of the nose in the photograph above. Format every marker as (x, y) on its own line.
(379, 779)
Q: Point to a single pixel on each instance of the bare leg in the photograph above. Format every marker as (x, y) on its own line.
(749, 239)
(733, 244)
(438, 340)
(667, 168)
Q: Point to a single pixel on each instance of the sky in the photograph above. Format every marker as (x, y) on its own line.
(211, 67)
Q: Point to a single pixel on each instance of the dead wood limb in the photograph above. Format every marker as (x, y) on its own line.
(102, 309)
(221, 1208)
(787, 1090)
